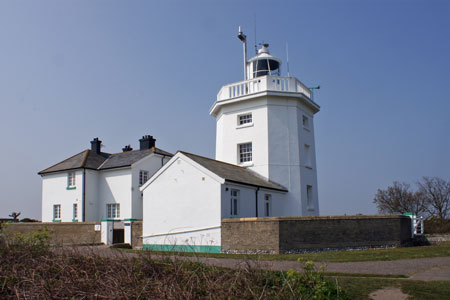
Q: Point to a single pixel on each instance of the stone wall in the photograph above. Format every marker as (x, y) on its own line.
(136, 235)
(293, 234)
(60, 233)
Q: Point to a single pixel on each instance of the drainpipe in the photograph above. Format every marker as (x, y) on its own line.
(84, 197)
(162, 159)
(256, 202)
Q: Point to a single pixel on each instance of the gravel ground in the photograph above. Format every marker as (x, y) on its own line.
(427, 269)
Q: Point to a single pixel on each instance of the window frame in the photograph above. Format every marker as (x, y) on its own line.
(113, 210)
(71, 180)
(234, 202)
(307, 156)
(309, 197)
(267, 205)
(243, 155)
(306, 122)
(75, 211)
(241, 122)
(142, 175)
(56, 212)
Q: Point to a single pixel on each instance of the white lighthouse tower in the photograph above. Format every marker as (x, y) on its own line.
(266, 123)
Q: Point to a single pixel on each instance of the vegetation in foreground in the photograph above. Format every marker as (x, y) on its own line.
(441, 250)
(29, 269)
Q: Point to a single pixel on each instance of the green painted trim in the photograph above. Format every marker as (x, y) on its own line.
(74, 220)
(109, 220)
(56, 221)
(182, 248)
(71, 188)
(131, 220)
(409, 214)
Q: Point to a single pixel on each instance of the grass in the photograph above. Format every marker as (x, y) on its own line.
(360, 288)
(441, 250)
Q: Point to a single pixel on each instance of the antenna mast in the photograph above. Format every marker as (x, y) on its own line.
(287, 59)
(243, 39)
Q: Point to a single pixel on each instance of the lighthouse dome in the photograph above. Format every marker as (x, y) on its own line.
(264, 64)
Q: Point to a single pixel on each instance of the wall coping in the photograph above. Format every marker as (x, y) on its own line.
(55, 223)
(275, 219)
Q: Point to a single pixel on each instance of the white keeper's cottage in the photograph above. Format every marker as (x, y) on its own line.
(93, 185)
(265, 163)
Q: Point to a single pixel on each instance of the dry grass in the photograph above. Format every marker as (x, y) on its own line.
(30, 270)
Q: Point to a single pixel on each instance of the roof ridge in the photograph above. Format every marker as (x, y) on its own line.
(63, 160)
(86, 154)
(223, 162)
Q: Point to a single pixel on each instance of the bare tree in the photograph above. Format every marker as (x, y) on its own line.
(398, 198)
(436, 193)
(15, 216)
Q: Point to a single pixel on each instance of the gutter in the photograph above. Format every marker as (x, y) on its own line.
(258, 186)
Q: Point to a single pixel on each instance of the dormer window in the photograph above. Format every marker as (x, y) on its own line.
(71, 180)
(245, 119)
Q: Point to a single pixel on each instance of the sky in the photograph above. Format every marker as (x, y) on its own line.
(74, 70)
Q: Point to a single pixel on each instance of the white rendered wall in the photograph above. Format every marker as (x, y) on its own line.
(54, 191)
(278, 140)
(115, 187)
(151, 164)
(247, 201)
(91, 200)
(182, 199)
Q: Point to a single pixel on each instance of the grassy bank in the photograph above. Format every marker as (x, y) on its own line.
(336, 256)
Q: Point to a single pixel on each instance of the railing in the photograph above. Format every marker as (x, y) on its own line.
(261, 84)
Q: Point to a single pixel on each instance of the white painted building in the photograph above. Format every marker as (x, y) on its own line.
(265, 163)
(93, 185)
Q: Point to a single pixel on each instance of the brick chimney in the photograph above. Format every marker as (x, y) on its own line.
(96, 145)
(147, 142)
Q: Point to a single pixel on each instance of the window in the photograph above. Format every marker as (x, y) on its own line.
(234, 207)
(113, 210)
(245, 153)
(309, 197)
(305, 121)
(245, 119)
(307, 153)
(57, 212)
(143, 177)
(267, 205)
(71, 179)
(75, 211)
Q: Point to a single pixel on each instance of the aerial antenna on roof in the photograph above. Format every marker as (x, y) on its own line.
(243, 39)
(287, 59)
(254, 25)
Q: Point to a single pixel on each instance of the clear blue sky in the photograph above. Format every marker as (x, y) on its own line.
(117, 70)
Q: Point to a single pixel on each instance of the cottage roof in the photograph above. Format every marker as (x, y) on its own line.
(233, 173)
(89, 159)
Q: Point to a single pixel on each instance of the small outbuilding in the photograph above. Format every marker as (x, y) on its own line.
(186, 200)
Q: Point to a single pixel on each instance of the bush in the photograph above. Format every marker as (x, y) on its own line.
(435, 225)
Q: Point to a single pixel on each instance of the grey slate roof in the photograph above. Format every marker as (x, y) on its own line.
(234, 173)
(88, 159)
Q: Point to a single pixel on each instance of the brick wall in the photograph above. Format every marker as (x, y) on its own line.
(286, 234)
(60, 233)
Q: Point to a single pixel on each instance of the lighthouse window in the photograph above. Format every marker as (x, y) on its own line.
(305, 121)
(245, 153)
(262, 67)
(245, 119)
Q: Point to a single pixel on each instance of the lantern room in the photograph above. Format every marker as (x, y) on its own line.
(263, 64)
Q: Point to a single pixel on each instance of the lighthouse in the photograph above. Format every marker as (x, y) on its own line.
(265, 123)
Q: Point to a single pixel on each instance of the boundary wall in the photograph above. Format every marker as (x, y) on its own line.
(86, 233)
(299, 234)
